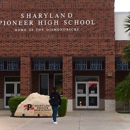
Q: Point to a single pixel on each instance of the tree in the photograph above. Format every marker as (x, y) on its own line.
(127, 24)
(126, 50)
(122, 90)
(126, 53)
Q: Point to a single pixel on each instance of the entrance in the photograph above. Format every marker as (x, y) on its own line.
(11, 89)
(87, 94)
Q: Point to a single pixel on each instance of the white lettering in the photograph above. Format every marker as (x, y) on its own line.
(56, 16)
(30, 22)
(51, 15)
(92, 22)
(14, 23)
(20, 22)
(34, 16)
(65, 22)
(79, 22)
(56, 22)
(49, 22)
(22, 15)
(88, 22)
(28, 15)
(70, 22)
(8, 23)
(70, 15)
(39, 15)
(62, 15)
(45, 15)
(1, 22)
(39, 22)
(82, 22)
(25, 22)
(76, 22)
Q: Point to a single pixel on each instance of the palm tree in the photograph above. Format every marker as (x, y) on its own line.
(126, 53)
(122, 90)
(127, 24)
(126, 50)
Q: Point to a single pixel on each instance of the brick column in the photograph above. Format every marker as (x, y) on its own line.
(110, 83)
(67, 80)
(25, 76)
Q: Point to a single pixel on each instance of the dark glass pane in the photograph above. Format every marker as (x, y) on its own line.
(7, 99)
(92, 88)
(9, 88)
(18, 88)
(81, 89)
(58, 83)
(44, 84)
(81, 101)
(92, 101)
(86, 78)
(12, 79)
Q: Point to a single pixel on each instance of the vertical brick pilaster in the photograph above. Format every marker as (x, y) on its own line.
(67, 76)
(25, 76)
(110, 80)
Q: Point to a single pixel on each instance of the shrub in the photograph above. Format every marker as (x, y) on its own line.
(122, 91)
(14, 102)
(63, 108)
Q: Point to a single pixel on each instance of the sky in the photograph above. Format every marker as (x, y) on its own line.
(122, 5)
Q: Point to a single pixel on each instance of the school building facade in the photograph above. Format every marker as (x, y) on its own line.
(72, 45)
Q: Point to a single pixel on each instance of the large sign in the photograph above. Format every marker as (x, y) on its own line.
(44, 22)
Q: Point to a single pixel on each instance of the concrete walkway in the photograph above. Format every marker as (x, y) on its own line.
(77, 120)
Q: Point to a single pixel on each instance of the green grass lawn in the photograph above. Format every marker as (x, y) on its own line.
(124, 112)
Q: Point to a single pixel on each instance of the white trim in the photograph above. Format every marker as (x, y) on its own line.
(94, 95)
(81, 95)
(15, 94)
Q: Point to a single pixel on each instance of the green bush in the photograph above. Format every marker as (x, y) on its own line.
(63, 107)
(14, 102)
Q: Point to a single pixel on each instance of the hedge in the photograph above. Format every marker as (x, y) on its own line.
(14, 102)
(63, 107)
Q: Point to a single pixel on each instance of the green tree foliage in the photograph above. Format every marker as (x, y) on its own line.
(126, 53)
(126, 50)
(127, 23)
(122, 91)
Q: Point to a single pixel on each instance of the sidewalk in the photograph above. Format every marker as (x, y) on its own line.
(77, 120)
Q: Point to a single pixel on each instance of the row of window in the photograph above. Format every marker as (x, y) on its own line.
(56, 64)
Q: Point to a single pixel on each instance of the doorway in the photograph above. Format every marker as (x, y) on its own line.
(11, 89)
(87, 94)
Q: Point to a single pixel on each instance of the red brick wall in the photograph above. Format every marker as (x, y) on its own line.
(25, 76)
(90, 41)
(119, 45)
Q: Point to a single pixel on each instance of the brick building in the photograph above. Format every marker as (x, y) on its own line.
(68, 44)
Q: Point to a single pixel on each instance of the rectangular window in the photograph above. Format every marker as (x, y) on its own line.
(58, 83)
(44, 83)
